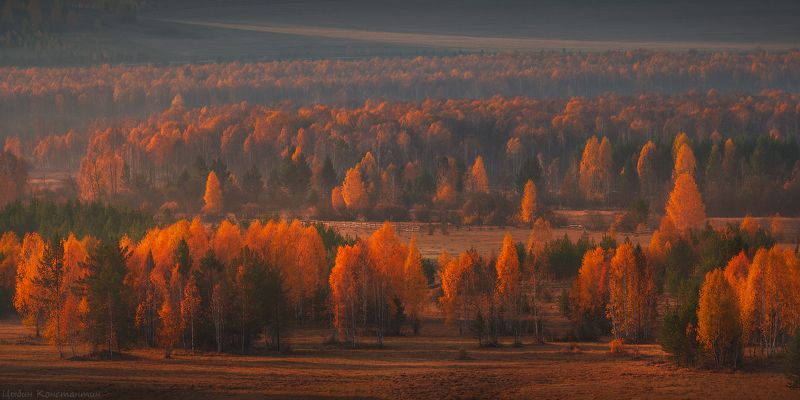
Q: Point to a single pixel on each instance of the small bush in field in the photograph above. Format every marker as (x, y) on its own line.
(574, 348)
(616, 346)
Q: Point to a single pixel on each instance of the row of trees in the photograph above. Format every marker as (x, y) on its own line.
(13, 176)
(180, 285)
(615, 289)
(494, 296)
(741, 305)
(377, 284)
(55, 96)
(35, 23)
(59, 220)
(427, 154)
(750, 304)
(726, 303)
(184, 285)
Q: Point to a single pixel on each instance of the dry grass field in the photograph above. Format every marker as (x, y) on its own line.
(488, 239)
(425, 366)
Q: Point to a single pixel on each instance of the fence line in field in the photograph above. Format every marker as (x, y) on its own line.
(399, 226)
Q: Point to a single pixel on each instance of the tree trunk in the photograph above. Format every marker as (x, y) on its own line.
(192, 329)
(277, 327)
(110, 328)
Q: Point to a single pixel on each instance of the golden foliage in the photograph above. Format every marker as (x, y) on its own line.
(456, 279)
(541, 234)
(197, 239)
(590, 289)
(445, 196)
(680, 139)
(646, 166)
(685, 208)
(729, 158)
(169, 330)
(685, 162)
(353, 191)
(737, 269)
(749, 225)
(337, 200)
(770, 305)
(415, 284)
(616, 346)
(387, 256)
(212, 198)
(102, 169)
(27, 293)
(631, 305)
(509, 279)
(227, 242)
(344, 282)
(595, 169)
(528, 204)
(477, 180)
(718, 327)
(190, 304)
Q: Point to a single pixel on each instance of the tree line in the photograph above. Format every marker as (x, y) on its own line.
(231, 288)
(735, 288)
(71, 97)
(418, 160)
(181, 285)
(37, 23)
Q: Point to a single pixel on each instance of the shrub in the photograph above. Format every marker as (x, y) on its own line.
(562, 258)
(478, 328)
(616, 346)
(678, 335)
(431, 269)
(678, 339)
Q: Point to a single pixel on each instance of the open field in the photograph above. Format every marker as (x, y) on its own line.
(504, 25)
(254, 30)
(409, 367)
(477, 43)
(488, 239)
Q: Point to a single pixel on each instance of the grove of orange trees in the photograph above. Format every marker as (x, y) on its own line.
(179, 284)
(55, 96)
(417, 160)
(197, 286)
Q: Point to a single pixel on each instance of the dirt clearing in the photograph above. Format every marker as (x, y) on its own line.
(409, 367)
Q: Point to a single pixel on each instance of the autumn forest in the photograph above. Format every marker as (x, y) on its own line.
(456, 225)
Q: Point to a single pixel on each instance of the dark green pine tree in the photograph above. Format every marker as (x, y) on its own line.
(108, 319)
(529, 171)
